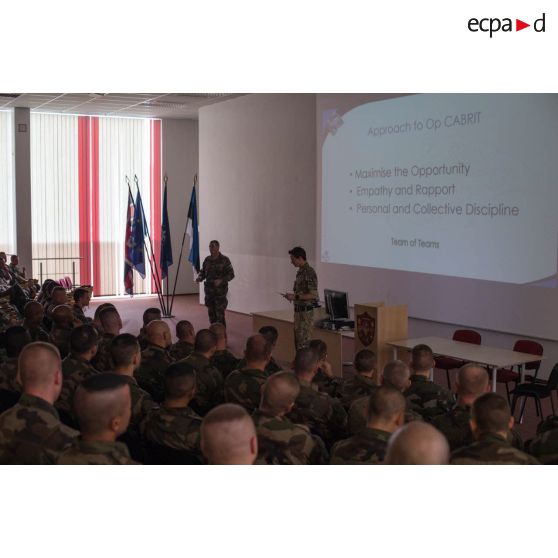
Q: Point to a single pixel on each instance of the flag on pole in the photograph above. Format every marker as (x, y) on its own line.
(192, 230)
(128, 246)
(138, 235)
(166, 246)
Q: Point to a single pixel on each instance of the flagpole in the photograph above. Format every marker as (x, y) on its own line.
(181, 249)
(169, 309)
(155, 274)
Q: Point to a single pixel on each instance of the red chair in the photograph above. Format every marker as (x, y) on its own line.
(448, 363)
(508, 375)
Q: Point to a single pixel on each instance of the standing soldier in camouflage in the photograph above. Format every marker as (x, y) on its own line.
(386, 413)
(175, 424)
(491, 423)
(216, 271)
(31, 431)
(111, 324)
(243, 387)
(186, 337)
(102, 406)
(304, 297)
(223, 359)
(280, 441)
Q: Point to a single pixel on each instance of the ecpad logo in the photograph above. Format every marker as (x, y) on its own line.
(494, 24)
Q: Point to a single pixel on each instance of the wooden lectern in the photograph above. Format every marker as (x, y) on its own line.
(376, 325)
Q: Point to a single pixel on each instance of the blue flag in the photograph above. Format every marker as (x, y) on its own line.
(166, 246)
(192, 230)
(138, 233)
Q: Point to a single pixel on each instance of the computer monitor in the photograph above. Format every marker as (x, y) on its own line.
(337, 304)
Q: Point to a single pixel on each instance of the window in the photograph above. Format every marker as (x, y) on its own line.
(7, 185)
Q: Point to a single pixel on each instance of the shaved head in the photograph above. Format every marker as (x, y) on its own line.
(151, 314)
(306, 360)
(62, 314)
(180, 380)
(102, 403)
(422, 358)
(490, 413)
(258, 348)
(472, 380)
(396, 374)
(33, 312)
(205, 342)
(279, 393)
(158, 333)
(228, 436)
(38, 364)
(58, 295)
(110, 319)
(184, 330)
(417, 443)
(385, 403)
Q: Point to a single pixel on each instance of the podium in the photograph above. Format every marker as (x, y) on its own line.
(376, 325)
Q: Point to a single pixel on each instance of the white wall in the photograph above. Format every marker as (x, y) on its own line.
(257, 191)
(180, 164)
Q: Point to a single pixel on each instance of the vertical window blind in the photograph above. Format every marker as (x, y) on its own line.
(7, 185)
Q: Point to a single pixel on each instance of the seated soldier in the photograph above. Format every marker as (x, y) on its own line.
(62, 326)
(175, 425)
(155, 359)
(76, 367)
(125, 356)
(417, 443)
(15, 338)
(243, 387)
(324, 379)
(365, 379)
(82, 298)
(397, 375)
(323, 414)
(545, 445)
(57, 298)
(186, 337)
(271, 334)
(491, 422)
(148, 316)
(209, 382)
(386, 413)
(280, 441)
(14, 267)
(228, 436)
(428, 398)
(111, 324)
(223, 359)
(102, 407)
(31, 432)
(97, 314)
(33, 321)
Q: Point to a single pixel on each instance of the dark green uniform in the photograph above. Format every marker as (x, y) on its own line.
(150, 374)
(281, 442)
(31, 433)
(243, 387)
(142, 403)
(102, 361)
(8, 373)
(356, 387)
(96, 453)
(545, 445)
(225, 362)
(306, 282)
(428, 398)
(180, 350)
(209, 384)
(491, 449)
(324, 415)
(60, 338)
(271, 366)
(216, 296)
(366, 448)
(74, 371)
(79, 315)
(37, 333)
(333, 386)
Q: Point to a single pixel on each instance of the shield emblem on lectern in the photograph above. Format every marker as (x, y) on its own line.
(366, 328)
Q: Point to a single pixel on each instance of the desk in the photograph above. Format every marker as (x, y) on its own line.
(283, 320)
(492, 357)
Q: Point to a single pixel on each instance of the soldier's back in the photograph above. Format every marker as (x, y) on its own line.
(225, 362)
(180, 350)
(243, 387)
(8, 373)
(366, 448)
(428, 398)
(102, 361)
(282, 442)
(150, 374)
(60, 338)
(331, 385)
(74, 371)
(96, 453)
(356, 387)
(491, 449)
(31, 433)
(545, 446)
(209, 384)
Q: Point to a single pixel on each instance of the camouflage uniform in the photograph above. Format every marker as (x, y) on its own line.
(306, 282)
(79, 314)
(281, 442)
(60, 338)
(356, 387)
(366, 448)
(454, 425)
(333, 386)
(209, 384)
(225, 362)
(102, 361)
(358, 414)
(324, 415)
(491, 449)
(37, 333)
(31, 433)
(428, 398)
(142, 403)
(216, 297)
(271, 366)
(150, 374)
(96, 453)
(545, 445)
(74, 371)
(175, 428)
(180, 350)
(8, 373)
(243, 387)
